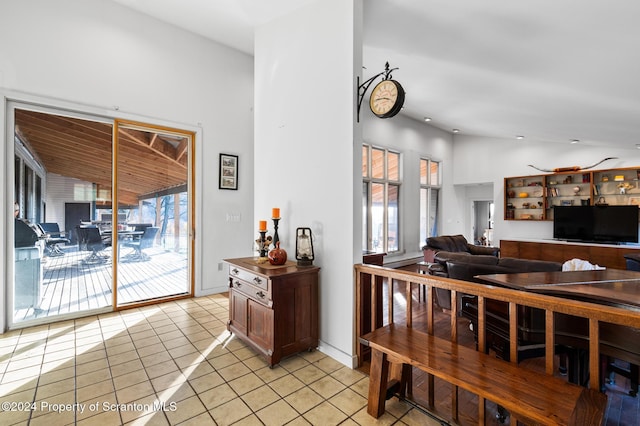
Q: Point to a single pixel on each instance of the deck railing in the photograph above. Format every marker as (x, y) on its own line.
(371, 277)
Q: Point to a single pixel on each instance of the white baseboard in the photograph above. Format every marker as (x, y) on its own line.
(350, 361)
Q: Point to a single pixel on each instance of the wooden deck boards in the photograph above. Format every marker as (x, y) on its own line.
(70, 286)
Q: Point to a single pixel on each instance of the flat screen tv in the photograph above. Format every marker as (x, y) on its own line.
(605, 224)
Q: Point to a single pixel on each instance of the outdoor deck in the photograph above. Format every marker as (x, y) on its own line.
(69, 285)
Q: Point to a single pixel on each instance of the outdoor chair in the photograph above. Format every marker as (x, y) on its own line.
(53, 237)
(89, 239)
(144, 242)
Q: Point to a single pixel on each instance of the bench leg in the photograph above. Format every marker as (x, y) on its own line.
(378, 376)
(406, 381)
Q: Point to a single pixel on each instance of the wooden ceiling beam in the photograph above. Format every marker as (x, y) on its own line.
(165, 150)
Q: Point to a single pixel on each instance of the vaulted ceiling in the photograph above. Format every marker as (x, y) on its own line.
(149, 163)
(548, 70)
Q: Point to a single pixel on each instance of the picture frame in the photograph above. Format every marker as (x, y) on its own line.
(228, 172)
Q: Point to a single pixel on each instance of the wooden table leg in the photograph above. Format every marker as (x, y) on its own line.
(378, 376)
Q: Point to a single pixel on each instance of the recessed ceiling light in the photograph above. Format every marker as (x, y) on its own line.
(427, 119)
(575, 141)
(638, 146)
(519, 137)
(455, 130)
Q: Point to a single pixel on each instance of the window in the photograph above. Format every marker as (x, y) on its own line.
(381, 199)
(430, 182)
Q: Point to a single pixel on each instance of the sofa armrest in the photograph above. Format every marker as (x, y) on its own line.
(491, 251)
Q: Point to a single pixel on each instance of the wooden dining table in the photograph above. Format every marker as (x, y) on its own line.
(616, 287)
(124, 235)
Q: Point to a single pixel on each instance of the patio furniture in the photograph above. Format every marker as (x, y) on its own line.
(53, 237)
(89, 239)
(144, 242)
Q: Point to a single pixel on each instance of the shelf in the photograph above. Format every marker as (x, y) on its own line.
(558, 188)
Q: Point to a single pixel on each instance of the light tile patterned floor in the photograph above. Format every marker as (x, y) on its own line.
(173, 363)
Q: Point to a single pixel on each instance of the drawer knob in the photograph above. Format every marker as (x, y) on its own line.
(234, 271)
(260, 294)
(238, 284)
(257, 280)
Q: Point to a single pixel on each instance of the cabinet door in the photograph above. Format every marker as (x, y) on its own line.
(238, 311)
(260, 327)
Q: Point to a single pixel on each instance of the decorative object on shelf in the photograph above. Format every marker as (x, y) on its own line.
(623, 187)
(576, 190)
(572, 168)
(634, 201)
(304, 247)
(228, 172)
(523, 194)
(618, 178)
(264, 241)
(275, 216)
(511, 194)
(601, 202)
(387, 97)
(277, 256)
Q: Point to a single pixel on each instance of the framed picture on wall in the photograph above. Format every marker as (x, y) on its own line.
(228, 172)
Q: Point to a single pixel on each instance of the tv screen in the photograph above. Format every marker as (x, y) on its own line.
(607, 224)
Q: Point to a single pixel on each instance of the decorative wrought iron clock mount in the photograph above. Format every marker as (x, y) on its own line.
(387, 97)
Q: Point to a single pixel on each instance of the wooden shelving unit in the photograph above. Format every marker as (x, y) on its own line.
(533, 197)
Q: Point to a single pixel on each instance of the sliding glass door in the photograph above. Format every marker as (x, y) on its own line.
(153, 233)
(103, 214)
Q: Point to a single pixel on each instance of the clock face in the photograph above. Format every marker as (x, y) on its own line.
(386, 98)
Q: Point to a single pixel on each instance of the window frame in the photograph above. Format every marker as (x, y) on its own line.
(368, 182)
(429, 187)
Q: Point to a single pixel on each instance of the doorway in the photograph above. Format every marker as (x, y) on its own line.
(107, 185)
(483, 222)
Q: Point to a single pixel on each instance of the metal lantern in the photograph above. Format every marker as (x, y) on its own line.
(304, 247)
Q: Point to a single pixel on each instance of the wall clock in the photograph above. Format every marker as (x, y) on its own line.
(386, 98)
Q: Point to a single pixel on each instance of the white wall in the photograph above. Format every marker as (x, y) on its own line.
(479, 159)
(415, 140)
(305, 140)
(95, 55)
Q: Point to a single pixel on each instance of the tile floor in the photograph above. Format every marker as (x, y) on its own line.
(119, 368)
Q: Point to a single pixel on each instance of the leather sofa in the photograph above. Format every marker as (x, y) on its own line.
(465, 266)
(632, 261)
(531, 325)
(455, 243)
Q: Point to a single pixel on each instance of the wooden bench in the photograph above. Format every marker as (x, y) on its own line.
(530, 396)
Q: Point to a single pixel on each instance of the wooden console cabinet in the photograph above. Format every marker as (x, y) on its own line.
(272, 308)
(606, 255)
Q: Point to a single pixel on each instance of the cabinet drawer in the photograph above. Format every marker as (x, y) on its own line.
(256, 280)
(254, 292)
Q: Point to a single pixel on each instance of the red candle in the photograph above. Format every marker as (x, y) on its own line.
(275, 213)
(263, 225)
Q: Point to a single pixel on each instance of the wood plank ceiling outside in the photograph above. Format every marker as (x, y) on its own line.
(147, 162)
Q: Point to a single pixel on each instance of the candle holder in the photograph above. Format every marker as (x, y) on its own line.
(276, 238)
(262, 244)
